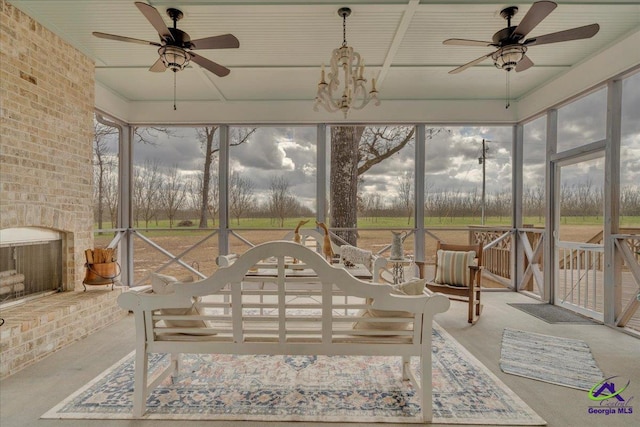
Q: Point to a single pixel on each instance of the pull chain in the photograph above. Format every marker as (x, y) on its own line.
(508, 92)
(174, 91)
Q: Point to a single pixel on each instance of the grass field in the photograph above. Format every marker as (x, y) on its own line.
(396, 222)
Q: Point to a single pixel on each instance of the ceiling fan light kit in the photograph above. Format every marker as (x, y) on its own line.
(508, 57)
(354, 93)
(174, 58)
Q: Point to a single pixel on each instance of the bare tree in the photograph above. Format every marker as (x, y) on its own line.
(211, 146)
(103, 158)
(146, 191)
(149, 134)
(144, 201)
(281, 202)
(241, 196)
(373, 206)
(585, 197)
(630, 200)
(534, 202)
(405, 195)
(377, 144)
(194, 191)
(214, 204)
(501, 203)
(111, 194)
(173, 193)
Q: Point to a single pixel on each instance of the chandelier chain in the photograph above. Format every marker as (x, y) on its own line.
(344, 30)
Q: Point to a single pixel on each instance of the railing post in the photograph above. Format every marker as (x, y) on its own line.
(223, 191)
(321, 173)
(125, 205)
(612, 259)
(517, 250)
(419, 178)
(552, 188)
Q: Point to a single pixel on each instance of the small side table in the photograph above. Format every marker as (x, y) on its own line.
(397, 269)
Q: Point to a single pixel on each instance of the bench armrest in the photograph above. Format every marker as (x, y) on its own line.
(226, 260)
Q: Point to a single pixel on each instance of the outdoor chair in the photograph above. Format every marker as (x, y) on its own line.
(458, 273)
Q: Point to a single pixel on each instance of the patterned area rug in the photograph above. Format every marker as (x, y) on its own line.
(556, 360)
(307, 388)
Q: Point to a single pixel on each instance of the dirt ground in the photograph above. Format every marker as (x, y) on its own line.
(180, 243)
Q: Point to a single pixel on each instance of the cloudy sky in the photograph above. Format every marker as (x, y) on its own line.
(452, 156)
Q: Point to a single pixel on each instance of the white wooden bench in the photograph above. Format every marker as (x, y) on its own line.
(311, 315)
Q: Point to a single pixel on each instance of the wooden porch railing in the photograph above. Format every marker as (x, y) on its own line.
(597, 262)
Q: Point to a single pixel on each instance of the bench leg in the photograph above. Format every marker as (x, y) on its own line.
(406, 365)
(175, 366)
(140, 382)
(426, 385)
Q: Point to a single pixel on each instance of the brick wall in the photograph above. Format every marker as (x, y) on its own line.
(46, 124)
(42, 326)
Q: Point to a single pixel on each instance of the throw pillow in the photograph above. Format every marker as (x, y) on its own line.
(162, 284)
(453, 267)
(411, 287)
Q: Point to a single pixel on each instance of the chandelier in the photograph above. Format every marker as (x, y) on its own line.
(351, 84)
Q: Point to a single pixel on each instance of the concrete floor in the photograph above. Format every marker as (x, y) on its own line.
(25, 396)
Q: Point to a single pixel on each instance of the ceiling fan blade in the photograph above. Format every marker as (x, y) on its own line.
(524, 64)
(225, 41)
(535, 15)
(465, 42)
(153, 16)
(158, 66)
(470, 64)
(123, 39)
(578, 33)
(215, 68)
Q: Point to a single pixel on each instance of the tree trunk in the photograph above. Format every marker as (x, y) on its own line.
(206, 178)
(343, 187)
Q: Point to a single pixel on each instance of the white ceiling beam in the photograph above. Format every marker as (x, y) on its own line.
(407, 16)
(298, 112)
(204, 75)
(111, 103)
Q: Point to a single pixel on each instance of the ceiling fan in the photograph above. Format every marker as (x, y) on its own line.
(175, 46)
(511, 52)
